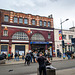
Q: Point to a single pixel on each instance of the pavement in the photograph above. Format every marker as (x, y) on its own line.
(70, 71)
(12, 61)
(62, 67)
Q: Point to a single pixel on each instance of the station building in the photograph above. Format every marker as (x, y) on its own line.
(23, 32)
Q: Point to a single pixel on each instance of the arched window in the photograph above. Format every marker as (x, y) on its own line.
(15, 20)
(44, 23)
(33, 21)
(20, 35)
(20, 20)
(40, 22)
(37, 37)
(49, 24)
(25, 21)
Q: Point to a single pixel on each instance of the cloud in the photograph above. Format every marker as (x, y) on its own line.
(59, 8)
(53, 0)
(22, 3)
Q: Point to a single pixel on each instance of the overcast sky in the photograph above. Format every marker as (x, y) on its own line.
(61, 9)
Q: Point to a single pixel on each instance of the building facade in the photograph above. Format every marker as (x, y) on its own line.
(23, 32)
(67, 36)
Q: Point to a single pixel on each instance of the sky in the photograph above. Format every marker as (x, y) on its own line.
(60, 9)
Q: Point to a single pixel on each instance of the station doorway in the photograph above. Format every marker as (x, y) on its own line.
(20, 49)
(38, 48)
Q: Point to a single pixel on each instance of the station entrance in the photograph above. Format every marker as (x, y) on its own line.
(20, 49)
(38, 47)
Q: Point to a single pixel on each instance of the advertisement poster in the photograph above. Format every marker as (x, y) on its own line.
(4, 52)
(21, 52)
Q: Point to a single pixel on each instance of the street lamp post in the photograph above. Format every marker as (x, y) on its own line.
(62, 34)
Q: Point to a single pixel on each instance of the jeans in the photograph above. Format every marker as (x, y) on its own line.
(68, 56)
(42, 69)
(17, 58)
(31, 58)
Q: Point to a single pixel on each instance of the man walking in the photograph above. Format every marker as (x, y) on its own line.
(42, 67)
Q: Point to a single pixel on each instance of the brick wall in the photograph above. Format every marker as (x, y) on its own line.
(37, 18)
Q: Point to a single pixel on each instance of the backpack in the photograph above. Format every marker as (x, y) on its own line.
(27, 58)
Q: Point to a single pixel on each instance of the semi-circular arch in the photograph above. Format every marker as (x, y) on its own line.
(20, 35)
(37, 37)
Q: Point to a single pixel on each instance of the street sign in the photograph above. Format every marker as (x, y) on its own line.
(60, 35)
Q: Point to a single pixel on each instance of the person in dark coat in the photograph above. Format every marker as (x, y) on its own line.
(27, 59)
(15, 56)
(4, 55)
(42, 66)
(31, 53)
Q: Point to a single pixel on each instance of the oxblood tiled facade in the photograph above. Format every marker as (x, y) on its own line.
(12, 28)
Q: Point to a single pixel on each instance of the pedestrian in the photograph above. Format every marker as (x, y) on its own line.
(31, 53)
(4, 55)
(11, 55)
(46, 53)
(42, 66)
(34, 56)
(68, 54)
(15, 57)
(60, 54)
(22, 56)
(27, 59)
(18, 56)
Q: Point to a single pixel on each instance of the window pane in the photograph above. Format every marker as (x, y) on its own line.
(5, 33)
(49, 36)
(4, 47)
(33, 22)
(70, 36)
(48, 24)
(64, 36)
(6, 18)
(44, 23)
(20, 20)
(15, 20)
(37, 37)
(25, 21)
(40, 23)
(20, 35)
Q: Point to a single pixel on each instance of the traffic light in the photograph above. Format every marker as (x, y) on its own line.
(63, 43)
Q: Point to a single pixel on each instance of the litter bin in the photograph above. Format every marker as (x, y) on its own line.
(49, 70)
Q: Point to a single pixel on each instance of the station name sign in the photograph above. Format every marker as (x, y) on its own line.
(39, 42)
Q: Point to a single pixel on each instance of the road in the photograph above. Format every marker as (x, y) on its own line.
(22, 69)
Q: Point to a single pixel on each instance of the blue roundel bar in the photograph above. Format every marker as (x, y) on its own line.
(39, 42)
